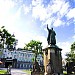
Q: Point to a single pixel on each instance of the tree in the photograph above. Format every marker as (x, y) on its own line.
(73, 47)
(71, 54)
(35, 46)
(6, 38)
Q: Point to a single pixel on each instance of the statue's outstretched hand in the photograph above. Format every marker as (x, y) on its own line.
(47, 27)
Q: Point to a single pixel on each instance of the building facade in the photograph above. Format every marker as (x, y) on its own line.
(19, 58)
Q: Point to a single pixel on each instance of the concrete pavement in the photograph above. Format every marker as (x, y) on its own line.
(17, 72)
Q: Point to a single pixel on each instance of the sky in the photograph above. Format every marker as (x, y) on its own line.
(28, 19)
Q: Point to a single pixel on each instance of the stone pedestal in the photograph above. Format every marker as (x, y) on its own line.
(53, 53)
(37, 73)
(36, 69)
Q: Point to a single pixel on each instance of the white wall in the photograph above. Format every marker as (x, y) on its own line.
(20, 55)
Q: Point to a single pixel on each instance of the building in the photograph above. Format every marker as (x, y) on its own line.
(18, 58)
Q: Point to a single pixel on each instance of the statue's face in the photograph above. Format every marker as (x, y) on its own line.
(52, 28)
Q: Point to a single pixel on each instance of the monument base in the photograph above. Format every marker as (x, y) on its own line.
(53, 53)
(37, 73)
(45, 73)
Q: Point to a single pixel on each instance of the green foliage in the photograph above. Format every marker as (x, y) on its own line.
(35, 46)
(32, 59)
(6, 38)
(27, 71)
(73, 47)
(65, 72)
(3, 71)
(71, 54)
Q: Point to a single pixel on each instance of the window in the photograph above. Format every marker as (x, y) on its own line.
(14, 56)
(23, 54)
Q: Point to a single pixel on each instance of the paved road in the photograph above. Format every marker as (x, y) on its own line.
(17, 72)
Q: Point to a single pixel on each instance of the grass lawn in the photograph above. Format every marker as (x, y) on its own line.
(3, 71)
(27, 71)
(64, 72)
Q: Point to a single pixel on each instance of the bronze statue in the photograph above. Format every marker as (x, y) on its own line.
(51, 36)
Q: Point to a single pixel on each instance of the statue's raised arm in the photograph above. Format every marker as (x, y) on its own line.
(47, 27)
(49, 34)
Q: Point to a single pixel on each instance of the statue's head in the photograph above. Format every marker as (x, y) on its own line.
(52, 28)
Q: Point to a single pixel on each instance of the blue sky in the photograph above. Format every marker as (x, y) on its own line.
(27, 20)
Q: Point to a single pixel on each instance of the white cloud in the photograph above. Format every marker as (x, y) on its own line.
(6, 5)
(7, 18)
(71, 13)
(42, 39)
(48, 21)
(65, 47)
(58, 22)
(27, 37)
(56, 5)
(39, 12)
(26, 9)
(53, 13)
(45, 14)
(64, 9)
(36, 2)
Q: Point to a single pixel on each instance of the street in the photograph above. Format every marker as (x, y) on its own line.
(17, 72)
